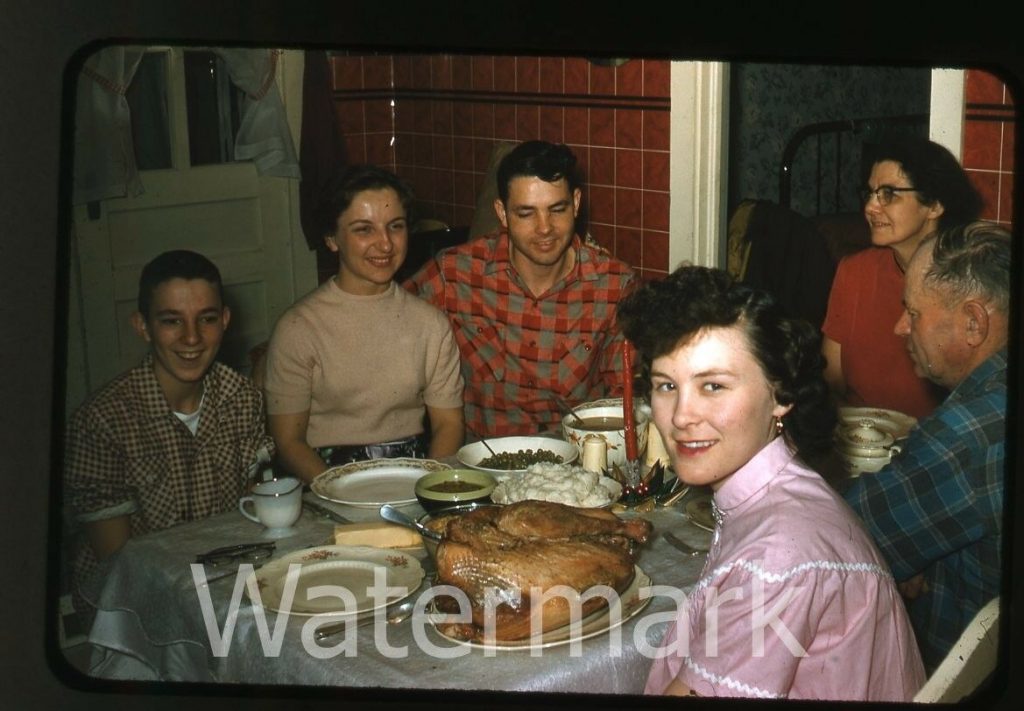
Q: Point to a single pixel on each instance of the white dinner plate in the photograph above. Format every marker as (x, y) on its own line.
(698, 510)
(892, 422)
(472, 454)
(592, 625)
(350, 567)
(374, 483)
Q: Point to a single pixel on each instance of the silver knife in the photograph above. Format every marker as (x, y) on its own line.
(326, 511)
(682, 546)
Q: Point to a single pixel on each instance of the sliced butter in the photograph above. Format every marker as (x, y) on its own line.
(376, 533)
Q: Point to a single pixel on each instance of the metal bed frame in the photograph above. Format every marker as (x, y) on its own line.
(836, 131)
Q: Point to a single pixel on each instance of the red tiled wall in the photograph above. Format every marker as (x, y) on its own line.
(435, 118)
(988, 147)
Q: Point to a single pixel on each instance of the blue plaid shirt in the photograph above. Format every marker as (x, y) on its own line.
(937, 509)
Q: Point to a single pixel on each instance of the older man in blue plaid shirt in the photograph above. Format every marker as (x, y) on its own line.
(936, 510)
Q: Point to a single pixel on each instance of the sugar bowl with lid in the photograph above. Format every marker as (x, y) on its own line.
(865, 447)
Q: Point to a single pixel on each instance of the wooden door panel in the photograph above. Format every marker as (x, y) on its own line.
(246, 224)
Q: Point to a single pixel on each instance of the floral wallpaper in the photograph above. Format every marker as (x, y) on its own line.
(770, 102)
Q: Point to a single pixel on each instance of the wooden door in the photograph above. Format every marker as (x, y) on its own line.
(248, 225)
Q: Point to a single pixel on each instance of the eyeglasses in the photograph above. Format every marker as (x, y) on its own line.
(884, 193)
(245, 553)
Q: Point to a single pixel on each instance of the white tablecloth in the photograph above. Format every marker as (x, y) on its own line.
(150, 623)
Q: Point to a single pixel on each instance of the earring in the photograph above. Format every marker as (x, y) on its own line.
(778, 426)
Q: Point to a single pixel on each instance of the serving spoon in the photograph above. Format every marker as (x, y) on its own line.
(568, 409)
(390, 513)
(483, 442)
(398, 614)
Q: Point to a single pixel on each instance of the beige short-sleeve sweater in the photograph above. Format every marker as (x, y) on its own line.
(363, 366)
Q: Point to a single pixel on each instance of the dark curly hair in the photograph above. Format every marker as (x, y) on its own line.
(661, 316)
(934, 172)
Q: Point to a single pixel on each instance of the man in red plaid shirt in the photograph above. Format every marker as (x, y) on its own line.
(532, 305)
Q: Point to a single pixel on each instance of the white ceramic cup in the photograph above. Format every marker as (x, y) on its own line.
(277, 504)
(615, 438)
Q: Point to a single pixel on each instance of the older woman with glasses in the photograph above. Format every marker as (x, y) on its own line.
(914, 187)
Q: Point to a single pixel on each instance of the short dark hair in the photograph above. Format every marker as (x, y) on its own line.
(342, 189)
(934, 173)
(537, 159)
(973, 260)
(176, 264)
(662, 315)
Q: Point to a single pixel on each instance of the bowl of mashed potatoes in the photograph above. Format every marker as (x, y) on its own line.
(567, 484)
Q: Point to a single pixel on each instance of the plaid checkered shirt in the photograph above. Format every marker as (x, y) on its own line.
(126, 453)
(937, 508)
(519, 350)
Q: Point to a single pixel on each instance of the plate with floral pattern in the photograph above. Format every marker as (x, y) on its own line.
(374, 483)
(344, 576)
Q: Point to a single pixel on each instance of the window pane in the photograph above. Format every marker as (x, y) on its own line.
(147, 102)
(213, 109)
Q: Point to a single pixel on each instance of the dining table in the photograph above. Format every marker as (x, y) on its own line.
(156, 621)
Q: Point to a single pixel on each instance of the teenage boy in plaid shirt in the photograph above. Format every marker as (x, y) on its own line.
(174, 439)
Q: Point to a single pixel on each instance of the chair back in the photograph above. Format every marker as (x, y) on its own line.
(968, 663)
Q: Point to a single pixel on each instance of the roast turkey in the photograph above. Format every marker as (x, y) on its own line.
(506, 555)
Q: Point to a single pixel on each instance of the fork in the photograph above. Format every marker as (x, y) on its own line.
(681, 545)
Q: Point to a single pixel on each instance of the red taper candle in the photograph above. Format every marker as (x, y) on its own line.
(628, 416)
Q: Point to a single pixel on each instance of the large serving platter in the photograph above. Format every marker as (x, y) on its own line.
(374, 483)
(350, 567)
(592, 625)
(472, 454)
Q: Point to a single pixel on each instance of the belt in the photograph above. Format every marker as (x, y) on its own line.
(413, 447)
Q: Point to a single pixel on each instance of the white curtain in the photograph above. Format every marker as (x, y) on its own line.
(104, 164)
(263, 135)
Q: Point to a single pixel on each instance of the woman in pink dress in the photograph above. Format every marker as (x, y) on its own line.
(794, 600)
(914, 187)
